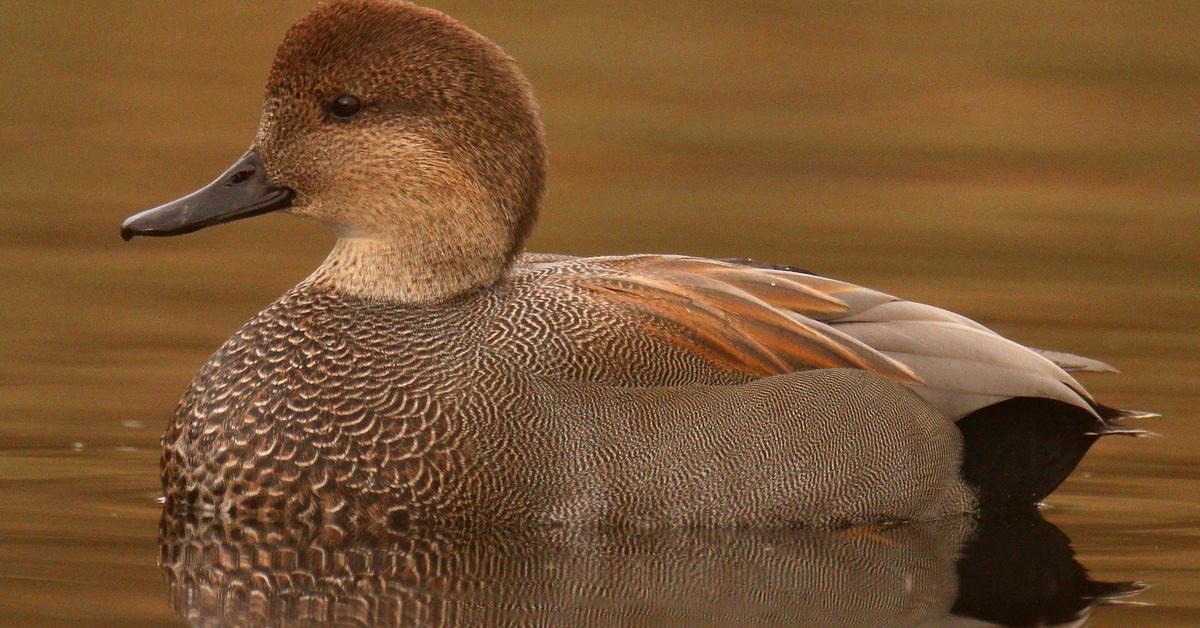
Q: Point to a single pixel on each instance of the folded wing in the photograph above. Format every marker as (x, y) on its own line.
(764, 320)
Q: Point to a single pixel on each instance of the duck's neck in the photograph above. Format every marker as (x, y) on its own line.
(408, 271)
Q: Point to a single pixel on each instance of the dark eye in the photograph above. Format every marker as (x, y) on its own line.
(345, 106)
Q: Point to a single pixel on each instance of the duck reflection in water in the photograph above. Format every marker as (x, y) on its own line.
(1016, 570)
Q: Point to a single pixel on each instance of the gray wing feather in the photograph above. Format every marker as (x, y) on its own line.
(965, 366)
(1072, 363)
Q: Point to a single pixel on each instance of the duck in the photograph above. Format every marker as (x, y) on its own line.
(432, 371)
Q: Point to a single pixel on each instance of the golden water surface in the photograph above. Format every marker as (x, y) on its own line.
(1035, 166)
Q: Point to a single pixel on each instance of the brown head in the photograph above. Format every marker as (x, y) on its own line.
(416, 139)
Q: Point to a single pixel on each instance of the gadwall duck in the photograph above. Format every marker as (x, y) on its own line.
(428, 371)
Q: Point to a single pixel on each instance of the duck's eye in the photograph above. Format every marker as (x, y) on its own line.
(345, 106)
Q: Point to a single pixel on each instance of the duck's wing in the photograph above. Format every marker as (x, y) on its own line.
(764, 320)
(1072, 363)
(740, 318)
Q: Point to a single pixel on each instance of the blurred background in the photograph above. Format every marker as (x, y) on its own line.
(1035, 166)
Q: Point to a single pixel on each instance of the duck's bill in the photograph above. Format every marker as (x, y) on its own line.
(242, 191)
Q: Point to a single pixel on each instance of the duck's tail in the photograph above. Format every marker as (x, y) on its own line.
(1111, 415)
(1018, 451)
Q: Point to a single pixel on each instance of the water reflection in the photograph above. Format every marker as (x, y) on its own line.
(1018, 570)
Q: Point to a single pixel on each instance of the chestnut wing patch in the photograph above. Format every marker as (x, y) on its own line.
(751, 320)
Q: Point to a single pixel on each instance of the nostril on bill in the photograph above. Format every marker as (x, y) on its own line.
(240, 175)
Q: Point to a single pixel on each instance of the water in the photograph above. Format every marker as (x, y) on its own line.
(1033, 167)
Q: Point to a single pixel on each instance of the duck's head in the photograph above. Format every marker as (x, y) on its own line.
(416, 139)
